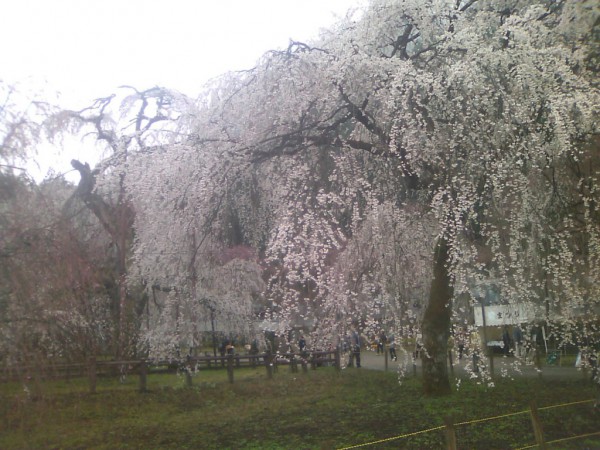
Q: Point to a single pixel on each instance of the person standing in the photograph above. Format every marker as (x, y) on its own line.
(354, 348)
(381, 343)
(302, 345)
(505, 340)
(392, 347)
(517, 339)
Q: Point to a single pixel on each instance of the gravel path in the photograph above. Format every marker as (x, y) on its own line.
(503, 366)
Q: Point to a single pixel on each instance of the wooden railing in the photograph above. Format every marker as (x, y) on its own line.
(94, 368)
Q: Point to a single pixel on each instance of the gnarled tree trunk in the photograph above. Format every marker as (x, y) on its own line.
(117, 220)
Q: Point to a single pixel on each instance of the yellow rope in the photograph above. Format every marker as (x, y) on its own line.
(562, 440)
(393, 438)
(492, 418)
(573, 437)
(474, 421)
(521, 412)
(567, 404)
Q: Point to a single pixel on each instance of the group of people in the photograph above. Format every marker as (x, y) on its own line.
(381, 342)
(353, 345)
(514, 343)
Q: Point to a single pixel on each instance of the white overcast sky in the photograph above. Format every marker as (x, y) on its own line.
(84, 49)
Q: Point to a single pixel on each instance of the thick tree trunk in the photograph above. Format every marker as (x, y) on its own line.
(118, 223)
(436, 325)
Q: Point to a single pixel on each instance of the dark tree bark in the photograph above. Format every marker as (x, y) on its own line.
(117, 220)
(436, 325)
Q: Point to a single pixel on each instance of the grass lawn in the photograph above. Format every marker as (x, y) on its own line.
(319, 410)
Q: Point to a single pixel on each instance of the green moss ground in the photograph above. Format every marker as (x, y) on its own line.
(319, 410)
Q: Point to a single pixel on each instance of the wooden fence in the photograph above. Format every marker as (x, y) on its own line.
(94, 368)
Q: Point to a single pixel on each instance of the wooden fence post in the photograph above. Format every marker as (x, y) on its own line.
(338, 359)
(538, 431)
(450, 432)
(230, 367)
(92, 374)
(143, 373)
(451, 363)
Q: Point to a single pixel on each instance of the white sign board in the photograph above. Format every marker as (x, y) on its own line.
(497, 315)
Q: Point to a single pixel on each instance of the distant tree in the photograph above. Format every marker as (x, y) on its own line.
(23, 124)
(54, 305)
(192, 249)
(126, 125)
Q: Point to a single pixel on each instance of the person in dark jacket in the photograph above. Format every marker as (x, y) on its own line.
(302, 345)
(354, 348)
(505, 340)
